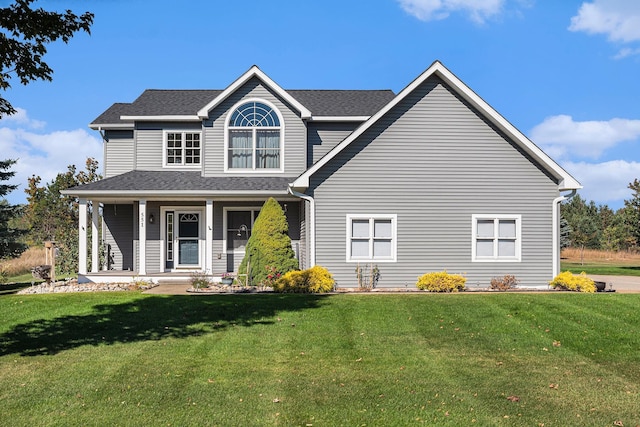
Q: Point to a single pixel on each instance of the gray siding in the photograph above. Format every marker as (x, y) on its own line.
(295, 135)
(323, 136)
(434, 162)
(118, 235)
(119, 155)
(149, 143)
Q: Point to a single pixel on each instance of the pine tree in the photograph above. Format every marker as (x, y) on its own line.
(9, 237)
(269, 251)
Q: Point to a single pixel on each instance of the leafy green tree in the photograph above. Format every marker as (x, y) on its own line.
(10, 245)
(565, 233)
(269, 253)
(584, 221)
(632, 212)
(24, 34)
(54, 216)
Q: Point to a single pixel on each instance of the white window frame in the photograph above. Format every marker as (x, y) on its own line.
(496, 219)
(227, 129)
(255, 211)
(165, 140)
(372, 218)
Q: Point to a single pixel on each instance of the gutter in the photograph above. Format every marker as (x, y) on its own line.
(556, 230)
(311, 225)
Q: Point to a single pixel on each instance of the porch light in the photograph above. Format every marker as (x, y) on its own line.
(152, 219)
(242, 229)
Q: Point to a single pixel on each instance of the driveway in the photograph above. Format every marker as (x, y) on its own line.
(626, 284)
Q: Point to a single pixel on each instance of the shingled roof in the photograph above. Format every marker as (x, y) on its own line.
(160, 102)
(183, 182)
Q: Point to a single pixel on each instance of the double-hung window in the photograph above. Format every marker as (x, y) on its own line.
(182, 149)
(254, 138)
(496, 238)
(371, 238)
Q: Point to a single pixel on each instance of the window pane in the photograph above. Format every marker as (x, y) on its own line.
(360, 228)
(506, 248)
(485, 228)
(382, 248)
(360, 248)
(507, 228)
(268, 139)
(382, 228)
(484, 248)
(188, 250)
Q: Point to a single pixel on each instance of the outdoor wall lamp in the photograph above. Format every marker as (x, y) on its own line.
(242, 229)
(152, 219)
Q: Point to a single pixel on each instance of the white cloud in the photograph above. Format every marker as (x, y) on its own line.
(20, 117)
(619, 20)
(562, 137)
(431, 10)
(43, 154)
(605, 183)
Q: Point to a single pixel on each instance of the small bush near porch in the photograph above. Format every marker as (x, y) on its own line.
(261, 360)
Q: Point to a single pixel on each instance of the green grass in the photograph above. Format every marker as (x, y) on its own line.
(611, 269)
(135, 360)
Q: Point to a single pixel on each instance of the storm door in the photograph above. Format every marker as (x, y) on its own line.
(182, 239)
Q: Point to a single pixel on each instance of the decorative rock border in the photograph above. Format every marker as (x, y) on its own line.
(71, 285)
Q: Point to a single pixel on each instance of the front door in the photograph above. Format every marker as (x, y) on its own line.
(182, 239)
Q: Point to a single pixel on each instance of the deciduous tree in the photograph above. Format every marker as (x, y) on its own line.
(24, 35)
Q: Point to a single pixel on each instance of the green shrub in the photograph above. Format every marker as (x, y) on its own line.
(313, 280)
(573, 282)
(506, 282)
(441, 282)
(269, 250)
(200, 280)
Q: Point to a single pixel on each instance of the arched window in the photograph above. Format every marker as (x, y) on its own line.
(254, 137)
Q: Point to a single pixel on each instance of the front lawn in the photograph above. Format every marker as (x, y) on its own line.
(512, 359)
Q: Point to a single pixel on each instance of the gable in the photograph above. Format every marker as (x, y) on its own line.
(564, 179)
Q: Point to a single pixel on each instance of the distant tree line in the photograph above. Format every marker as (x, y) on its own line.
(585, 225)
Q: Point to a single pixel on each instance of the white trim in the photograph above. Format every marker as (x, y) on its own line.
(183, 132)
(227, 128)
(168, 117)
(339, 118)
(95, 260)
(225, 229)
(254, 71)
(82, 236)
(105, 126)
(202, 244)
(371, 218)
(208, 236)
(566, 181)
(142, 236)
(496, 218)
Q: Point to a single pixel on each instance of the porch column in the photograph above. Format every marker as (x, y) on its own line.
(82, 236)
(208, 236)
(95, 259)
(142, 237)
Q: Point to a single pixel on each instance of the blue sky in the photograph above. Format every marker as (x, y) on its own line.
(566, 73)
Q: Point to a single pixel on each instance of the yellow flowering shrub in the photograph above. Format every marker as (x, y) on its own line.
(313, 280)
(441, 282)
(568, 281)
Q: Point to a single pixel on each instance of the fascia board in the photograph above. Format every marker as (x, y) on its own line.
(339, 118)
(254, 71)
(172, 194)
(104, 126)
(173, 118)
(567, 182)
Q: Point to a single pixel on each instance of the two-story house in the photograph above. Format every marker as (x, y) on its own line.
(429, 179)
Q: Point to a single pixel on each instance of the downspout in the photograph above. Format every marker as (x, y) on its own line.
(556, 230)
(311, 225)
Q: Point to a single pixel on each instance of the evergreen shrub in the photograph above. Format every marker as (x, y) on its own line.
(441, 282)
(269, 250)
